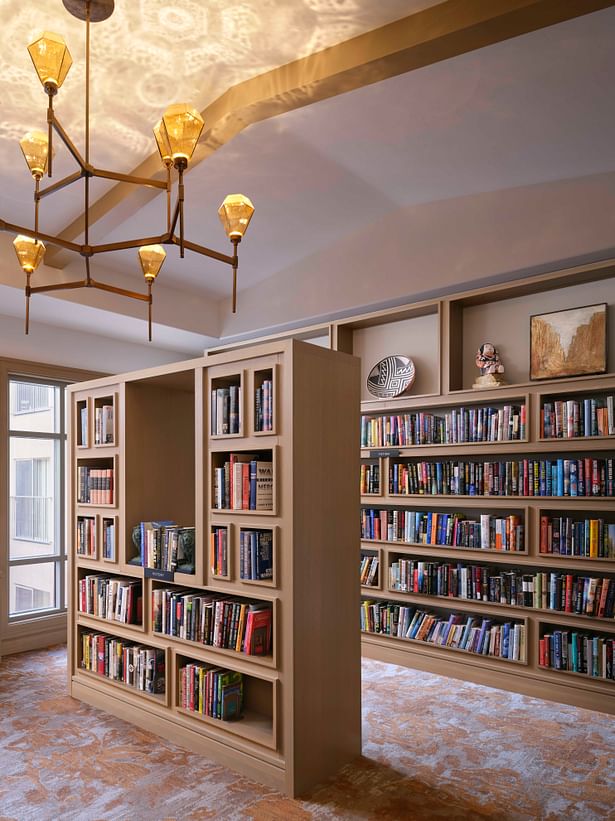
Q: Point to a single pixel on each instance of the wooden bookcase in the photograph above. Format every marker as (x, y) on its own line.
(442, 337)
(301, 701)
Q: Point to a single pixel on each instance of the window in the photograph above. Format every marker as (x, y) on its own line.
(37, 444)
(31, 505)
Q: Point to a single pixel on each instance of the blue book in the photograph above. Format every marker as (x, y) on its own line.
(574, 476)
(560, 477)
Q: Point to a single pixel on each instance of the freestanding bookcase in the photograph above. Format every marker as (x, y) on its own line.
(146, 439)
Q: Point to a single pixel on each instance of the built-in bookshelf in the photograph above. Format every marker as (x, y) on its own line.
(498, 503)
(193, 583)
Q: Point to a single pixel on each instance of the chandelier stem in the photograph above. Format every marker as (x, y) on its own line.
(28, 303)
(235, 241)
(149, 311)
(181, 212)
(169, 198)
(49, 133)
(88, 276)
(87, 82)
(37, 185)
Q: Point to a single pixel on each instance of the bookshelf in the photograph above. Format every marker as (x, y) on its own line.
(432, 425)
(266, 607)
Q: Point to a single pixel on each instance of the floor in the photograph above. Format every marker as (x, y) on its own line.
(434, 748)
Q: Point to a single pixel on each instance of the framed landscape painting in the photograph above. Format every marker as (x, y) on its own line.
(568, 343)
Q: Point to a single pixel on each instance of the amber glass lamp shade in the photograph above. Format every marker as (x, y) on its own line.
(164, 149)
(151, 258)
(180, 129)
(51, 59)
(29, 252)
(35, 150)
(235, 214)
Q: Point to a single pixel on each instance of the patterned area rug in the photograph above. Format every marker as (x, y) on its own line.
(433, 748)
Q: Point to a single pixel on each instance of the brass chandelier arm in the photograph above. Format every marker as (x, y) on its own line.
(58, 286)
(63, 243)
(57, 186)
(201, 249)
(162, 239)
(113, 175)
(68, 143)
(113, 289)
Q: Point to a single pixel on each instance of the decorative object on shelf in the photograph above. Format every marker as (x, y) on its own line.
(571, 342)
(177, 135)
(490, 365)
(392, 376)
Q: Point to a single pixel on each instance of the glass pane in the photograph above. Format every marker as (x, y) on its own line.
(31, 587)
(32, 488)
(34, 407)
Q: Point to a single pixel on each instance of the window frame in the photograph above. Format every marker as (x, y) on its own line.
(60, 558)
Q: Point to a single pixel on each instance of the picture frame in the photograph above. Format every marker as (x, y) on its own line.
(570, 342)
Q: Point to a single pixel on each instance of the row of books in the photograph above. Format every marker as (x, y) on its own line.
(577, 653)
(471, 633)
(263, 406)
(133, 664)
(485, 424)
(110, 598)
(369, 570)
(523, 477)
(572, 418)
(108, 539)
(445, 529)
(214, 619)
(164, 545)
(589, 538)
(256, 554)
(86, 536)
(211, 691)
(564, 592)
(94, 485)
(224, 412)
(370, 478)
(244, 483)
(104, 432)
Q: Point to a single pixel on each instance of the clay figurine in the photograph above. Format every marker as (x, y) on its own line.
(490, 365)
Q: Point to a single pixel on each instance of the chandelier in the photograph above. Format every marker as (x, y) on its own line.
(177, 134)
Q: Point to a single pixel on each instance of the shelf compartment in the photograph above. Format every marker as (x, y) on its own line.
(577, 415)
(99, 593)
(453, 478)
(554, 645)
(82, 423)
(264, 401)
(445, 425)
(257, 551)
(570, 532)
(96, 481)
(254, 483)
(109, 531)
(491, 526)
(258, 713)
(184, 614)
(86, 537)
(226, 403)
(442, 614)
(144, 658)
(221, 551)
(105, 420)
(370, 568)
(371, 477)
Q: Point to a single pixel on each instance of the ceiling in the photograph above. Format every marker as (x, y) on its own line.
(528, 110)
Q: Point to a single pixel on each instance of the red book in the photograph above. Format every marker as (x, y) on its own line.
(568, 598)
(245, 486)
(603, 597)
(100, 655)
(544, 533)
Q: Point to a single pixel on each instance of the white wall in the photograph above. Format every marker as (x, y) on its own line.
(436, 248)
